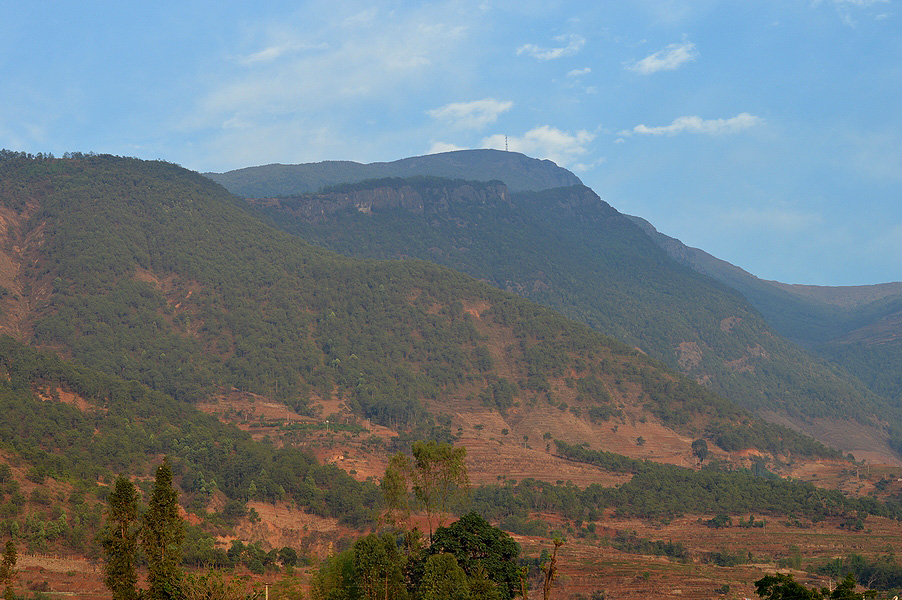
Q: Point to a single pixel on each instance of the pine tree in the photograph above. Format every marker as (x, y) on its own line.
(120, 541)
(8, 568)
(162, 535)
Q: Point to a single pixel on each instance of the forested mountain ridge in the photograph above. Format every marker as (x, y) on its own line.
(517, 171)
(569, 250)
(155, 274)
(856, 327)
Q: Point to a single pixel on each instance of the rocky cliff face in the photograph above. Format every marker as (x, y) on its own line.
(313, 208)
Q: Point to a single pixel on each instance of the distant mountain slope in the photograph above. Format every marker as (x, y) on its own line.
(851, 296)
(517, 171)
(569, 250)
(154, 274)
(857, 327)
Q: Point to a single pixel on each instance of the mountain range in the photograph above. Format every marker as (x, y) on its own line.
(761, 344)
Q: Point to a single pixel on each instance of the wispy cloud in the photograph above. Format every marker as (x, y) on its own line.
(848, 10)
(277, 51)
(305, 79)
(579, 72)
(859, 3)
(545, 141)
(300, 90)
(584, 167)
(670, 58)
(573, 44)
(471, 115)
(693, 124)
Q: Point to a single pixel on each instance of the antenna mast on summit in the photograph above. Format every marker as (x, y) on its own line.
(505, 143)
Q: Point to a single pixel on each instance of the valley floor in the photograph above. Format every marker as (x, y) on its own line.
(590, 565)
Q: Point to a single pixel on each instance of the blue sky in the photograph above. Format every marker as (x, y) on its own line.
(766, 132)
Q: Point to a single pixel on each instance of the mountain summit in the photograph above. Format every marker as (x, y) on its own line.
(518, 171)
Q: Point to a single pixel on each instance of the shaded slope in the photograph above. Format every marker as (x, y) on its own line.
(569, 250)
(518, 171)
(856, 327)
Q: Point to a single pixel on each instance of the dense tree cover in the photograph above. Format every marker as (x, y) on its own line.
(876, 364)
(232, 301)
(782, 586)
(379, 564)
(42, 519)
(467, 559)
(658, 491)
(478, 546)
(133, 424)
(160, 538)
(628, 541)
(879, 573)
(443, 578)
(569, 250)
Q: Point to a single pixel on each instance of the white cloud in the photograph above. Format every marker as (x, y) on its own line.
(277, 51)
(471, 115)
(583, 167)
(439, 147)
(693, 124)
(574, 44)
(364, 17)
(670, 58)
(859, 3)
(579, 72)
(265, 55)
(845, 8)
(545, 141)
